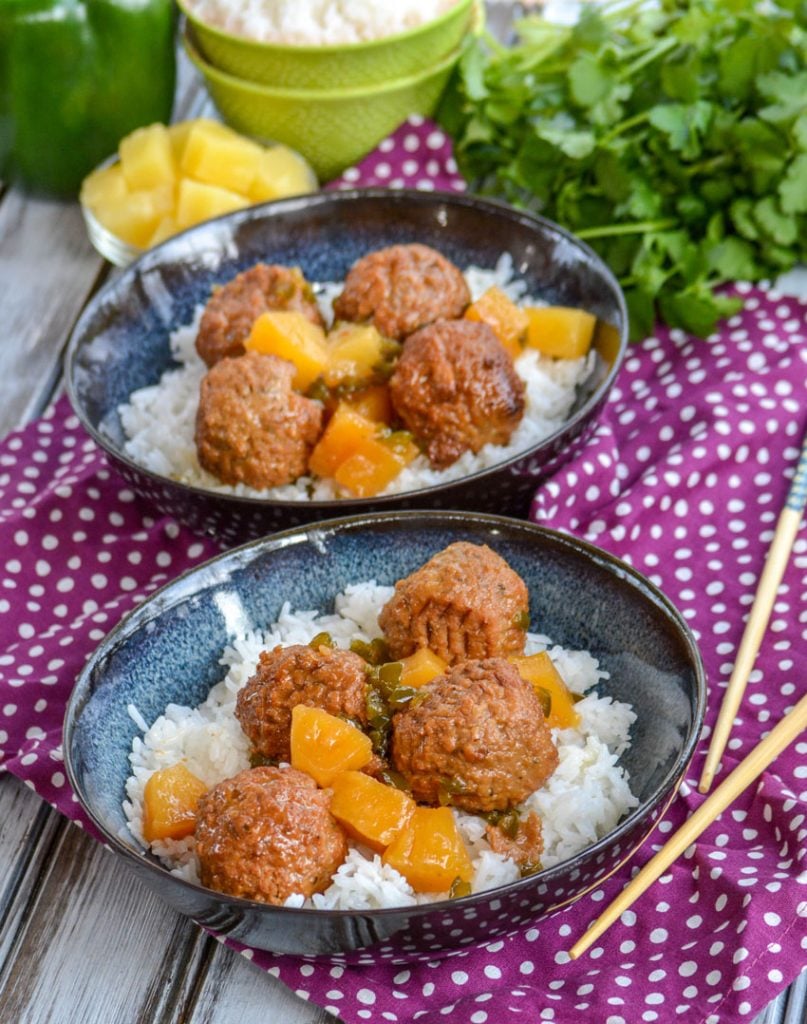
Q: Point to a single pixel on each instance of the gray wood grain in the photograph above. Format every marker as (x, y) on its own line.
(234, 991)
(48, 269)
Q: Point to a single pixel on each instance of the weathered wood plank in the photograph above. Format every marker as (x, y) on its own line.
(29, 829)
(234, 991)
(96, 946)
(48, 269)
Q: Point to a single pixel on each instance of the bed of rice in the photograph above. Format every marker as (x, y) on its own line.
(587, 795)
(317, 22)
(159, 421)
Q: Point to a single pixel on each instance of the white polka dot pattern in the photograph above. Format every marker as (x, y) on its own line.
(683, 476)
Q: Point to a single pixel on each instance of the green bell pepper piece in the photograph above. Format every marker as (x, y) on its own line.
(75, 77)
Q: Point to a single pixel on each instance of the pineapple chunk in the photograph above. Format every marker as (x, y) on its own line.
(178, 134)
(507, 321)
(104, 187)
(354, 350)
(375, 464)
(135, 219)
(291, 335)
(220, 158)
(146, 158)
(347, 430)
(281, 172)
(560, 331)
(197, 202)
(165, 229)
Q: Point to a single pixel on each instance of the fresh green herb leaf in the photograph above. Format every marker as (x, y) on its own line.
(673, 137)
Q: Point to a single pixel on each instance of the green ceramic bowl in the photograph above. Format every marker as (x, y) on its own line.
(331, 128)
(338, 67)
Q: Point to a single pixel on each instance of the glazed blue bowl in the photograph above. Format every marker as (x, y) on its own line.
(120, 343)
(168, 649)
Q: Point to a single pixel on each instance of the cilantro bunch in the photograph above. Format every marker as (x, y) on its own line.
(672, 137)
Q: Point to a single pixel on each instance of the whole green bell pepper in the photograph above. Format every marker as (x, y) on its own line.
(75, 77)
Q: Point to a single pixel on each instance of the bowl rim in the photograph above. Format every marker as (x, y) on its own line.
(330, 49)
(322, 97)
(661, 797)
(292, 204)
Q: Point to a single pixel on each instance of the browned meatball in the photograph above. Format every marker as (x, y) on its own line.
(402, 288)
(251, 427)
(235, 306)
(266, 834)
(479, 739)
(465, 602)
(326, 678)
(525, 846)
(456, 389)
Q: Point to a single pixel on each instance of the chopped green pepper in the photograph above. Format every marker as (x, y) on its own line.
(75, 77)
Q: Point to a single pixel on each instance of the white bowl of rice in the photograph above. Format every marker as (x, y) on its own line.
(161, 689)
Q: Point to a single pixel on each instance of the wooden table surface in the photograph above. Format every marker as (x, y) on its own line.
(81, 940)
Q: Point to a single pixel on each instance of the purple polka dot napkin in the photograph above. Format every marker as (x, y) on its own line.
(683, 476)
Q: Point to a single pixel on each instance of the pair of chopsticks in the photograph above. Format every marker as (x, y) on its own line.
(780, 737)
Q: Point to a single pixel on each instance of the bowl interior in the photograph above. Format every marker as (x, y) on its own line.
(121, 342)
(168, 649)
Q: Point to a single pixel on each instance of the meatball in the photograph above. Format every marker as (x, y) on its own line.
(456, 389)
(465, 602)
(251, 427)
(478, 739)
(326, 678)
(235, 306)
(267, 833)
(402, 288)
(524, 846)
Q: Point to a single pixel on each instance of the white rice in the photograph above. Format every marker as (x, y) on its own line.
(159, 421)
(317, 22)
(582, 801)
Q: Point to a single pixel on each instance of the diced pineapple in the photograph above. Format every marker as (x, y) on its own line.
(220, 158)
(429, 851)
(507, 320)
(323, 745)
(353, 351)
(291, 335)
(375, 464)
(560, 331)
(197, 202)
(346, 431)
(146, 158)
(421, 667)
(178, 134)
(104, 187)
(165, 229)
(374, 403)
(136, 219)
(281, 172)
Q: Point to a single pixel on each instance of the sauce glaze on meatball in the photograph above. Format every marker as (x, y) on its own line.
(479, 739)
(402, 288)
(456, 389)
(266, 834)
(234, 307)
(326, 678)
(465, 602)
(251, 426)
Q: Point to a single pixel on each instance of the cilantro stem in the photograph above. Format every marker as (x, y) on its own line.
(656, 51)
(625, 126)
(638, 227)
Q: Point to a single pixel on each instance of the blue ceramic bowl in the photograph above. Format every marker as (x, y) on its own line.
(167, 650)
(121, 342)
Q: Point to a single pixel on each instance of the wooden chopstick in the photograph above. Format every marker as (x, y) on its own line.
(783, 539)
(781, 736)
